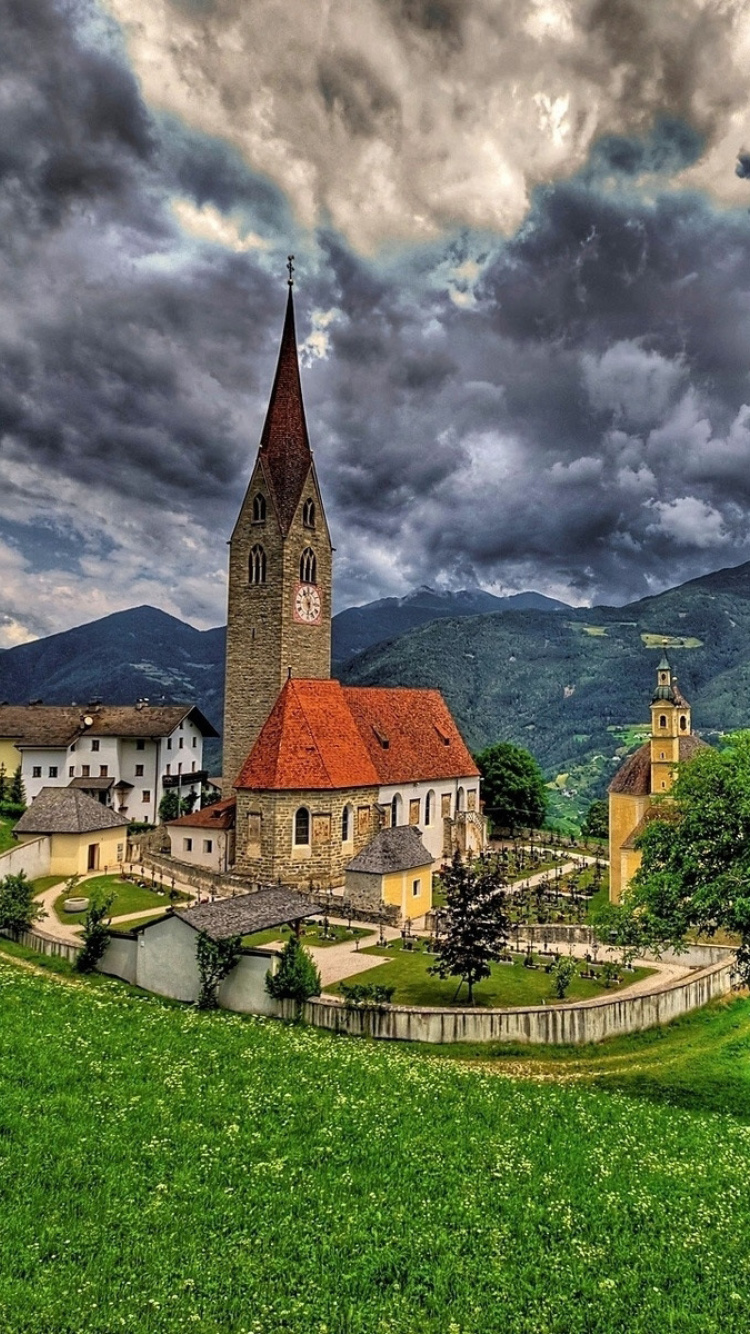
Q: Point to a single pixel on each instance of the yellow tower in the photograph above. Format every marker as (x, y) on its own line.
(646, 775)
(280, 568)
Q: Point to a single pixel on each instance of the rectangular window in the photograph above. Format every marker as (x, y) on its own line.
(445, 805)
(104, 771)
(471, 799)
(71, 771)
(187, 845)
(208, 845)
(416, 888)
(146, 795)
(192, 770)
(179, 767)
(169, 743)
(195, 742)
(414, 807)
(94, 743)
(73, 746)
(169, 769)
(36, 772)
(53, 771)
(140, 745)
(182, 742)
(139, 771)
(120, 851)
(85, 771)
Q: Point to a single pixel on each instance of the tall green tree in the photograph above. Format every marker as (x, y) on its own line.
(17, 791)
(695, 869)
(297, 977)
(18, 911)
(596, 820)
(474, 926)
(513, 787)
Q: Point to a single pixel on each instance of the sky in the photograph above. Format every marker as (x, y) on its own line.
(522, 252)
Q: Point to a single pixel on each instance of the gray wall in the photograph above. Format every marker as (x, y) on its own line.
(32, 856)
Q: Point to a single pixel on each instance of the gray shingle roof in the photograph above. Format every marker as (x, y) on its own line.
(397, 849)
(247, 913)
(53, 725)
(67, 810)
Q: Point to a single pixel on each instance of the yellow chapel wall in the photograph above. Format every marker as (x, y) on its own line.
(10, 756)
(625, 812)
(69, 852)
(398, 889)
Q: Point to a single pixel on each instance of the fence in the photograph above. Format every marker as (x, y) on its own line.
(34, 940)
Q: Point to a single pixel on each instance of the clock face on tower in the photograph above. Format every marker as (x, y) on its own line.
(307, 604)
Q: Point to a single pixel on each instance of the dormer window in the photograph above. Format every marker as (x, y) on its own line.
(257, 565)
(308, 567)
(308, 513)
(381, 739)
(259, 508)
(443, 736)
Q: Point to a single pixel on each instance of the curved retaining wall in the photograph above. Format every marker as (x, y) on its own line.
(586, 1021)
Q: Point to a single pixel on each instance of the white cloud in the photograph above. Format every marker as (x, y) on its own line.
(395, 121)
(690, 522)
(634, 385)
(209, 224)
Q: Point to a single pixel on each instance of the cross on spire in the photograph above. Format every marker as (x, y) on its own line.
(290, 266)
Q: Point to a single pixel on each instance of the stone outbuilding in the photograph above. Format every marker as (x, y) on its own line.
(394, 869)
(83, 834)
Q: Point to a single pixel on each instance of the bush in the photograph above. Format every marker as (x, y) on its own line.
(96, 935)
(10, 810)
(364, 995)
(17, 907)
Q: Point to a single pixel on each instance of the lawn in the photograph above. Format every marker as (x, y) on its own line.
(408, 971)
(240, 1176)
(128, 897)
(311, 935)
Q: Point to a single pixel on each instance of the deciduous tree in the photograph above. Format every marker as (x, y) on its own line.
(513, 787)
(17, 907)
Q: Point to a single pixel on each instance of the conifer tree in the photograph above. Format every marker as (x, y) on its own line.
(297, 978)
(17, 793)
(474, 924)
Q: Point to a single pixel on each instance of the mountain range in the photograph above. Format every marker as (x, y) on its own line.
(570, 684)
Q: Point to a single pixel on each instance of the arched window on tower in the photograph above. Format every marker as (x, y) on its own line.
(308, 513)
(259, 508)
(257, 565)
(302, 827)
(683, 723)
(308, 569)
(663, 720)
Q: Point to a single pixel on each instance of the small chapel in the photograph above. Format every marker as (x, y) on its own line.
(314, 770)
(647, 775)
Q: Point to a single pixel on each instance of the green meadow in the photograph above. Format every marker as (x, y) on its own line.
(164, 1170)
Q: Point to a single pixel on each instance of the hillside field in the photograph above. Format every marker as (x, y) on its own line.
(163, 1170)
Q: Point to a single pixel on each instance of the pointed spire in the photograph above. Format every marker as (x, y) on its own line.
(284, 444)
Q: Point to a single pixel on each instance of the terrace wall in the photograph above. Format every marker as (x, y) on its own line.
(32, 857)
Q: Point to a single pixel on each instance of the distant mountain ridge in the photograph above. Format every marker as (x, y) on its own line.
(564, 682)
(359, 628)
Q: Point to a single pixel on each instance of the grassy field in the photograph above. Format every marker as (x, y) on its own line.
(128, 897)
(408, 971)
(311, 935)
(162, 1170)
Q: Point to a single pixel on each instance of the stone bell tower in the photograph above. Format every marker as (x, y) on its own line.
(670, 721)
(280, 568)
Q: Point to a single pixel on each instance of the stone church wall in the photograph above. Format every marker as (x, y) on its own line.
(265, 846)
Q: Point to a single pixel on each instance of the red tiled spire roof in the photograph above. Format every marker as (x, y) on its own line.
(284, 445)
(321, 735)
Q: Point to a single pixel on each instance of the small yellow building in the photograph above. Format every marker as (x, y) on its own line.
(648, 774)
(84, 835)
(394, 869)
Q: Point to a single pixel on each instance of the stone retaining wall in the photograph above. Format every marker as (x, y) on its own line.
(33, 940)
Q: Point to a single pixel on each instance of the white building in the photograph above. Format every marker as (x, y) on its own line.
(124, 755)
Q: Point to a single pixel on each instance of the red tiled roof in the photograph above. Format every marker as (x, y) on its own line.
(321, 735)
(219, 815)
(309, 740)
(423, 740)
(284, 445)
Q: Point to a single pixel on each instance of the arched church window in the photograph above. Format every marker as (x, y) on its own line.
(346, 824)
(308, 514)
(257, 566)
(396, 804)
(663, 720)
(460, 800)
(308, 569)
(302, 827)
(429, 808)
(259, 508)
(683, 723)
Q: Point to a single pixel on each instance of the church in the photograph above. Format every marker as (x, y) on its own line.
(646, 775)
(315, 770)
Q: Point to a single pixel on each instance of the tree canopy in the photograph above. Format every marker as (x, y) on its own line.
(513, 787)
(474, 925)
(695, 869)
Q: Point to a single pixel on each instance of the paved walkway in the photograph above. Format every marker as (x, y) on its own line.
(51, 927)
